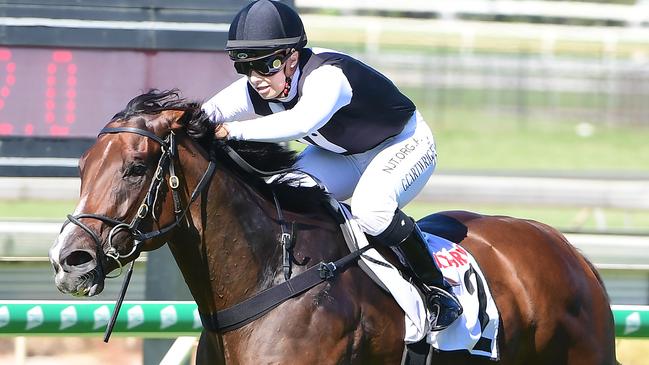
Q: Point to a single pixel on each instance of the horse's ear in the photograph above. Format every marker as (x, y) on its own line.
(173, 117)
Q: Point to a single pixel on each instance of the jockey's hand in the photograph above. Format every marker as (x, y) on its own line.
(221, 132)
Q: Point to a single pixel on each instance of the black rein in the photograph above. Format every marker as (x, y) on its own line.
(242, 313)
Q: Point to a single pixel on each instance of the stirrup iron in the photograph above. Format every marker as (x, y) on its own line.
(444, 308)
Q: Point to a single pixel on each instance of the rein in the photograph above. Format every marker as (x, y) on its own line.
(261, 303)
(147, 207)
(242, 313)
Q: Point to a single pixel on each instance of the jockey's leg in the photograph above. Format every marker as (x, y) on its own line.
(395, 175)
(407, 241)
(338, 173)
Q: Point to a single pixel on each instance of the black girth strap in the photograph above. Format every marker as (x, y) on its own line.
(250, 309)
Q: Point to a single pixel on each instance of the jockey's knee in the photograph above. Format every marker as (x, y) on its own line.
(373, 220)
(398, 229)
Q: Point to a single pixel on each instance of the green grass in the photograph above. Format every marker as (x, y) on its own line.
(31, 209)
(484, 140)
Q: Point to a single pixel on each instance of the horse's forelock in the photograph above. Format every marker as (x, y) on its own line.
(152, 102)
(197, 123)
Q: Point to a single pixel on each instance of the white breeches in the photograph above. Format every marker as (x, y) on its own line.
(379, 180)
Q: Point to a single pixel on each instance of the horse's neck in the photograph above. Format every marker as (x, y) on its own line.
(234, 250)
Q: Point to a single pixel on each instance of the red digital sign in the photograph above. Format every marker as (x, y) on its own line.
(74, 92)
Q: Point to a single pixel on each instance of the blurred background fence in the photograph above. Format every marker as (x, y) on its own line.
(528, 71)
(527, 86)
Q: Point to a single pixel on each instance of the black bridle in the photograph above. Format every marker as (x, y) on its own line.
(241, 313)
(146, 209)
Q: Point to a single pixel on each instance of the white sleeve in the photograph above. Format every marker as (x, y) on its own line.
(231, 103)
(325, 91)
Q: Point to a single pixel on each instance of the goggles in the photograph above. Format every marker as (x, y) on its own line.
(265, 66)
(251, 54)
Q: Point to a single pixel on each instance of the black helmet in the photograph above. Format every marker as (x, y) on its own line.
(264, 27)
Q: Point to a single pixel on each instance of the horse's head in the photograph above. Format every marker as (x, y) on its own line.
(127, 179)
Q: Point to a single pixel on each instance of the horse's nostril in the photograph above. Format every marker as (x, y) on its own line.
(77, 258)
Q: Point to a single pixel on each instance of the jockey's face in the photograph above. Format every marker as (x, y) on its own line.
(272, 86)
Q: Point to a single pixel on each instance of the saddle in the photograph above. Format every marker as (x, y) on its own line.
(474, 332)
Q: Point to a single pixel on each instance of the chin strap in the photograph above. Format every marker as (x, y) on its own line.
(287, 87)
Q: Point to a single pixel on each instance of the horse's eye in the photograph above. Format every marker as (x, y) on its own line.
(135, 170)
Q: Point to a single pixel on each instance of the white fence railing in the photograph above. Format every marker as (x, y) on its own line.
(539, 191)
(622, 260)
(636, 14)
(631, 194)
(594, 195)
(41, 188)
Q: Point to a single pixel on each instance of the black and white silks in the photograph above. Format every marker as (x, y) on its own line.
(336, 102)
(367, 141)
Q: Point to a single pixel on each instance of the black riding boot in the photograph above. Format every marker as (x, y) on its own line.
(405, 238)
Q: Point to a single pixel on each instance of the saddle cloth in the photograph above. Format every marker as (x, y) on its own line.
(477, 328)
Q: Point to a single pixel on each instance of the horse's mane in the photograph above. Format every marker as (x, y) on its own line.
(263, 156)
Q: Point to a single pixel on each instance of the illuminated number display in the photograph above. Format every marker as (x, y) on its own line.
(61, 89)
(8, 80)
(74, 92)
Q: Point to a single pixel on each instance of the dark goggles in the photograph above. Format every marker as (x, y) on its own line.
(251, 54)
(265, 66)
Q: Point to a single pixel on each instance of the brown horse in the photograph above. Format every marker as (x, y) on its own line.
(224, 237)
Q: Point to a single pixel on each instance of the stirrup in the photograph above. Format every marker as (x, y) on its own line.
(444, 308)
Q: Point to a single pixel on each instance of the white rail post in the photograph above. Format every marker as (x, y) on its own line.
(180, 351)
(20, 350)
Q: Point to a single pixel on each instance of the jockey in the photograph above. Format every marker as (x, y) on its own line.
(366, 140)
